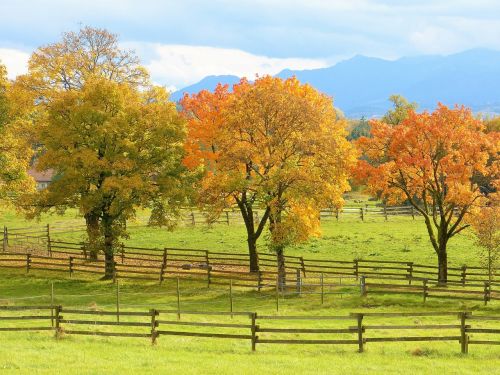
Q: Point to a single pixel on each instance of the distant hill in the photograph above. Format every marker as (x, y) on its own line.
(360, 86)
(207, 83)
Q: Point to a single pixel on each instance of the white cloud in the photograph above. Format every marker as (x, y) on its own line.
(182, 65)
(15, 60)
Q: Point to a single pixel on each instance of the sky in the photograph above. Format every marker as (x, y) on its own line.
(182, 41)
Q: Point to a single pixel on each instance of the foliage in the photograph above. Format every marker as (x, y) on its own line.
(359, 128)
(15, 152)
(114, 149)
(66, 66)
(273, 144)
(400, 110)
(78, 56)
(429, 159)
(486, 225)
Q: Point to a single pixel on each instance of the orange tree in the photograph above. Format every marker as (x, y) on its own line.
(273, 145)
(430, 159)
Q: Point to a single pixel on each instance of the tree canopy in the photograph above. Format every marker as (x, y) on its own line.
(274, 145)
(114, 148)
(430, 159)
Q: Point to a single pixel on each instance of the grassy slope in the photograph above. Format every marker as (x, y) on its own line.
(41, 353)
(398, 239)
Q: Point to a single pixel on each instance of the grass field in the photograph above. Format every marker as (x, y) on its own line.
(400, 238)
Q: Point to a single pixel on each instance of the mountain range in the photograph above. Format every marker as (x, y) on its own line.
(361, 86)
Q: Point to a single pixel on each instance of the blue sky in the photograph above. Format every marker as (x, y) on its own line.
(183, 41)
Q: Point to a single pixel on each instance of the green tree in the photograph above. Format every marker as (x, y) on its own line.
(399, 111)
(359, 128)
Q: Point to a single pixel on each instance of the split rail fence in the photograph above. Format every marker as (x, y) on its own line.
(303, 275)
(356, 329)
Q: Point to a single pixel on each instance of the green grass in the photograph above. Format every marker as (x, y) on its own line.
(399, 238)
(42, 353)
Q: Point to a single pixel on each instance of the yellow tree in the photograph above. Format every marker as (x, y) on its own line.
(15, 150)
(486, 225)
(122, 146)
(277, 146)
(430, 160)
(65, 66)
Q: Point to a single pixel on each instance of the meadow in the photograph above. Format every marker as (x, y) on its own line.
(398, 238)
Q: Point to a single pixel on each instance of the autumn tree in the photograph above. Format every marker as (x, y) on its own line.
(486, 225)
(429, 159)
(15, 151)
(274, 145)
(65, 66)
(120, 146)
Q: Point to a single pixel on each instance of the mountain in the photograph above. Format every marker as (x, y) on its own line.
(360, 86)
(207, 83)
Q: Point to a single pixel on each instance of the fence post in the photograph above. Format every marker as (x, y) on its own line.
(122, 252)
(299, 282)
(337, 214)
(359, 318)
(163, 265)
(49, 247)
(70, 266)
(487, 292)
(322, 289)
(52, 304)
(178, 301)
(193, 222)
(303, 266)
(209, 269)
(28, 262)
(464, 338)
(259, 280)
(254, 330)
(356, 268)
(385, 212)
(231, 297)
(117, 301)
(425, 289)
(58, 320)
(410, 272)
(362, 285)
(227, 217)
(4, 239)
(362, 215)
(154, 324)
(464, 274)
(277, 294)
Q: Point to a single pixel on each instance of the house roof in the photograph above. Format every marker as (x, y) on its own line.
(45, 176)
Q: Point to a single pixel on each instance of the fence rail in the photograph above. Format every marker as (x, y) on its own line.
(303, 276)
(356, 329)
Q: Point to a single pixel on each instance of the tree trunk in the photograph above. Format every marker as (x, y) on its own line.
(442, 266)
(109, 268)
(252, 251)
(92, 224)
(280, 257)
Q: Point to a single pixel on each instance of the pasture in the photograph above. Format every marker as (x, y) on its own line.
(399, 238)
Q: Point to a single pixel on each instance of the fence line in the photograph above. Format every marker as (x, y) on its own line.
(255, 328)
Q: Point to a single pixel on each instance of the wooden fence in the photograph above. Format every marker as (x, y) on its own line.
(356, 329)
(219, 268)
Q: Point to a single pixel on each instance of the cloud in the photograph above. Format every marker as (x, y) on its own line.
(182, 65)
(15, 60)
